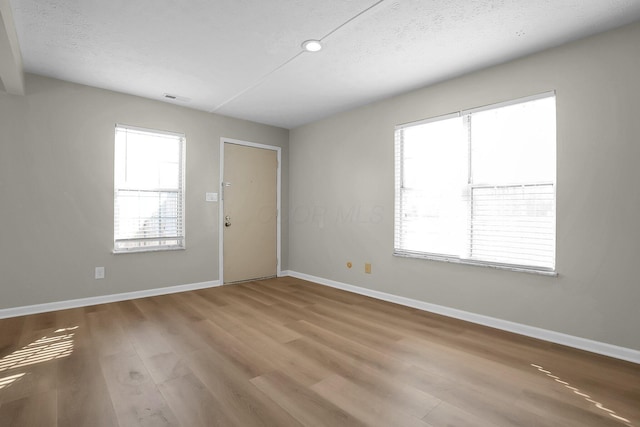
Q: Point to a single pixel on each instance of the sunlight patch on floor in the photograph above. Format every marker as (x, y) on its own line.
(583, 395)
(42, 350)
(7, 381)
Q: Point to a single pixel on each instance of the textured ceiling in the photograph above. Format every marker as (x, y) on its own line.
(242, 58)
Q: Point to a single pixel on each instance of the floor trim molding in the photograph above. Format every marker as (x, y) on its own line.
(605, 349)
(84, 302)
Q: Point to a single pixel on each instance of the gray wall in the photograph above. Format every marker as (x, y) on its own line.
(56, 192)
(342, 194)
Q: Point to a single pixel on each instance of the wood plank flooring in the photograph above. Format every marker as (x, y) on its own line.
(285, 352)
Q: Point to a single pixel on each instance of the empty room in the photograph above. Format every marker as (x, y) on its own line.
(337, 213)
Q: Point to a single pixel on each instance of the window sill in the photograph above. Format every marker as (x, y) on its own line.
(432, 257)
(143, 250)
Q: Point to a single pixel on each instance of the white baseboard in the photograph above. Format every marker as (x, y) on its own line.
(84, 302)
(605, 349)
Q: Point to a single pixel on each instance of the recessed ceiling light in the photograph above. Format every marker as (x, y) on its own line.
(312, 45)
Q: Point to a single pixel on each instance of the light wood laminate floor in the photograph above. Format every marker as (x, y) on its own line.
(285, 352)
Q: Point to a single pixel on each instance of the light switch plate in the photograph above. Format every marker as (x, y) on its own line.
(211, 197)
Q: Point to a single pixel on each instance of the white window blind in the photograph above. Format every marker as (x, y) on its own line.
(149, 190)
(479, 186)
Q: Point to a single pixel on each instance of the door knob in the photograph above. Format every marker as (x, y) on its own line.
(227, 221)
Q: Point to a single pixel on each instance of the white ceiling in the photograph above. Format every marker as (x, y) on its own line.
(242, 58)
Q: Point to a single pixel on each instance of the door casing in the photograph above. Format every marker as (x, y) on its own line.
(278, 150)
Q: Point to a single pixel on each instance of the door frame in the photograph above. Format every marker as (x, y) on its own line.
(278, 150)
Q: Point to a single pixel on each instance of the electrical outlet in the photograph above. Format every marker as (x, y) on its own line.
(367, 268)
(99, 272)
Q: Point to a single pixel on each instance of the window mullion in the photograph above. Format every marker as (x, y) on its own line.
(469, 189)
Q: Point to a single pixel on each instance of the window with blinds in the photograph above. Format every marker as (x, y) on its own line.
(479, 186)
(149, 190)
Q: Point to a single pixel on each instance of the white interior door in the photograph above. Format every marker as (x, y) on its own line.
(249, 212)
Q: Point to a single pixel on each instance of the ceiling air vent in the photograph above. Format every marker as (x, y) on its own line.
(175, 98)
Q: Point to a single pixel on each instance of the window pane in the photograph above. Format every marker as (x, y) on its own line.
(434, 155)
(434, 178)
(148, 161)
(515, 144)
(514, 224)
(144, 214)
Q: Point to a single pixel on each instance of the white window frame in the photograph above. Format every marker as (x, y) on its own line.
(180, 191)
(455, 259)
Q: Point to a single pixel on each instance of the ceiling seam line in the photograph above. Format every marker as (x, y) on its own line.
(352, 19)
(256, 83)
(264, 77)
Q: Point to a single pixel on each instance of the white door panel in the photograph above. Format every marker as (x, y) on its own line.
(249, 213)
